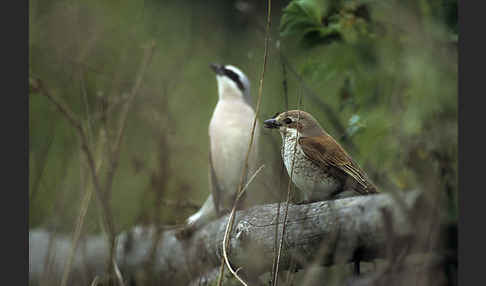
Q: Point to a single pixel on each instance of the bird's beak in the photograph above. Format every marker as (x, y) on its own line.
(271, 123)
(217, 68)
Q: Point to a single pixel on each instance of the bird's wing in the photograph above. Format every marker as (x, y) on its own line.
(214, 185)
(326, 152)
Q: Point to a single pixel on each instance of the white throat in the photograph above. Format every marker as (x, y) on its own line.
(288, 133)
(227, 89)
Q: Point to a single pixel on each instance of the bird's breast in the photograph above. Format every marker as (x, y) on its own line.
(311, 179)
(229, 133)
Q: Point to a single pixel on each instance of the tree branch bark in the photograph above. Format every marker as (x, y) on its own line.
(330, 232)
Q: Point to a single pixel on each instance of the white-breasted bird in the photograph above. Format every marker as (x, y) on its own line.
(229, 136)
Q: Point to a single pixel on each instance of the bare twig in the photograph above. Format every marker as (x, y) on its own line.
(95, 281)
(161, 177)
(277, 219)
(48, 260)
(84, 95)
(245, 167)
(114, 158)
(118, 274)
(68, 114)
(284, 80)
(282, 165)
(41, 166)
(115, 150)
(66, 111)
(77, 232)
(275, 277)
(229, 226)
(82, 214)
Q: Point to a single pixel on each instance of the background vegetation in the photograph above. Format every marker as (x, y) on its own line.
(380, 76)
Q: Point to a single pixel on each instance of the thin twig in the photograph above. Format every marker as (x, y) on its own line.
(43, 164)
(282, 165)
(230, 225)
(77, 233)
(161, 177)
(84, 95)
(274, 263)
(284, 80)
(48, 260)
(68, 114)
(105, 206)
(95, 281)
(115, 151)
(275, 277)
(245, 167)
(118, 274)
(82, 214)
(88, 192)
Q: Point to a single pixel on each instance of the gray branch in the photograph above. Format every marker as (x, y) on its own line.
(332, 232)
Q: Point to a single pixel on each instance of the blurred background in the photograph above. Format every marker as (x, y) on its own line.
(380, 76)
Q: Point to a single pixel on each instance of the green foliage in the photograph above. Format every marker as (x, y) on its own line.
(301, 16)
(325, 21)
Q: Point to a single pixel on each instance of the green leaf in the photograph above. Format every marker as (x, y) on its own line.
(301, 16)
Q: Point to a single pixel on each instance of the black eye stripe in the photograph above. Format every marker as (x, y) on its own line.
(234, 77)
(287, 120)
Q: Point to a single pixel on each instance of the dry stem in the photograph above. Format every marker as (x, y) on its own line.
(245, 167)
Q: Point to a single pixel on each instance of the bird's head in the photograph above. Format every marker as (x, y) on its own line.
(295, 121)
(232, 82)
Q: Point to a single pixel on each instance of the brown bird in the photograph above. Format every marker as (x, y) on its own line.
(321, 168)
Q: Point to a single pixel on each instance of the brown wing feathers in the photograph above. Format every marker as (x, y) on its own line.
(326, 152)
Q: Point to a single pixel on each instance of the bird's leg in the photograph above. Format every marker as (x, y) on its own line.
(357, 258)
(356, 268)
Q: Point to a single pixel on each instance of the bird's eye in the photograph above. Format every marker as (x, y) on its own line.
(287, 120)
